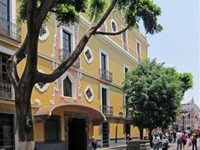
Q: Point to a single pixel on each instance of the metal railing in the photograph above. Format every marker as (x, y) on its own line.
(64, 55)
(6, 90)
(107, 110)
(106, 75)
(10, 30)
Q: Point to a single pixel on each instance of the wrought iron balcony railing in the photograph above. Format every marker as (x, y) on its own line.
(6, 91)
(107, 110)
(10, 30)
(64, 55)
(106, 75)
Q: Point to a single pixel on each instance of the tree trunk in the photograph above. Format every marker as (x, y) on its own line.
(141, 133)
(24, 124)
(150, 137)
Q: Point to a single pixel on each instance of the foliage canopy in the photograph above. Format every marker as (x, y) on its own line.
(68, 11)
(154, 93)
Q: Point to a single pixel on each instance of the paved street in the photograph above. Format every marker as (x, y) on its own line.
(172, 147)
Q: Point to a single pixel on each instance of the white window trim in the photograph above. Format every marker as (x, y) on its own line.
(101, 51)
(71, 32)
(67, 74)
(108, 94)
(6, 50)
(89, 99)
(12, 11)
(91, 59)
(122, 27)
(125, 66)
(137, 41)
(113, 21)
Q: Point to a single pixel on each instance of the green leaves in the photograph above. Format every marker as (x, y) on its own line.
(155, 93)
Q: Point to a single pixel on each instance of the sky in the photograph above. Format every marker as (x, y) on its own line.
(178, 45)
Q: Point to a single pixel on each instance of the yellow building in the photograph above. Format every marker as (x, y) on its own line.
(87, 100)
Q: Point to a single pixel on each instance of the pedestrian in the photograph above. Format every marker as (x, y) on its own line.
(165, 143)
(179, 141)
(174, 136)
(93, 144)
(194, 141)
(184, 137)
(156, 142)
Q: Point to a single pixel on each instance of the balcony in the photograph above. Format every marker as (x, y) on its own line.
(6, 91)
(107, 110)
(10, 30)
(64, 55)
(106, 75)
(127, 112)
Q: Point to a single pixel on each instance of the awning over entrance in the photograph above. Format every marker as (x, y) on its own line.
(95, 115)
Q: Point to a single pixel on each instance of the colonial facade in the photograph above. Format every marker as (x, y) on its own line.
(189, 118)
(87, 100)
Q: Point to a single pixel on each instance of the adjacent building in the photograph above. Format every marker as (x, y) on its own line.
(189, 118)
(87, 100)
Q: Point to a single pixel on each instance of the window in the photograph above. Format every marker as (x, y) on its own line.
(66, 44)
(103, 61)
(5, 85)
(88, 55)
(126, 70)
(113, 25)
(89, 94)
(6, 131)
(138, 49)
(52, 129)
(124, 40)
(4, 9)
(67, 87)
(3, 73)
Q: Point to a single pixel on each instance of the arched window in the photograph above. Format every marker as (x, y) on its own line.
(67, 87)
(113, 25)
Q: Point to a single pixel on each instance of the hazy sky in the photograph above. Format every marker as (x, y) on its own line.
(178, 43)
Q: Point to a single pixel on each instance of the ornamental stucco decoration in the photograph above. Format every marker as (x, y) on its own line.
(44, 33)
(40, 86)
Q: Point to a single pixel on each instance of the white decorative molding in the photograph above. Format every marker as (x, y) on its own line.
(44, 36)
(89, 61)
(44, 87)
(92, 97)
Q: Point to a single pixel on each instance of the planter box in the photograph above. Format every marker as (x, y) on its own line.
(138, 145)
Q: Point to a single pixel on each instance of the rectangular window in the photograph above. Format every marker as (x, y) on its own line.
(66, 44)
(4, 9)
(3, 74)
(103, 62)
(104, 96)
(52, 129)
(138, 50)
(6, 131)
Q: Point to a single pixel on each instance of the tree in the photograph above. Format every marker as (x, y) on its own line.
(154, 94)
(35, 13)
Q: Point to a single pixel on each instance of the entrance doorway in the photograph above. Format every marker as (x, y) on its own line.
(77, 134)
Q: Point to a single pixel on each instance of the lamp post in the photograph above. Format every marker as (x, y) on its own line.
(116, 129)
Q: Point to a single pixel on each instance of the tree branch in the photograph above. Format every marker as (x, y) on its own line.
(11, 64)
(112, 33)
(46, 78)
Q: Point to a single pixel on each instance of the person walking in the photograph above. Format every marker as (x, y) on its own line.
(93, 144)
(179, 141)
(184, 137)
(165, 143)
(194, 141)
(156, 142)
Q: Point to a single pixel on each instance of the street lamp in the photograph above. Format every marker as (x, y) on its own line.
(116, 129)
